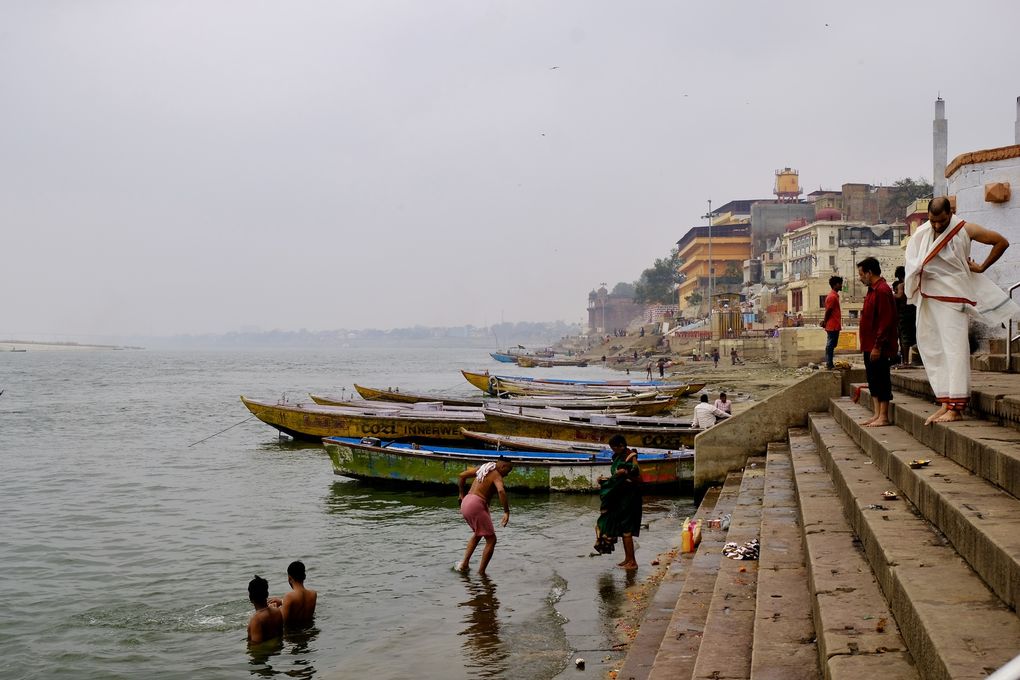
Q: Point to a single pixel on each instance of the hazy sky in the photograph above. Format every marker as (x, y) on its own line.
(207, 166)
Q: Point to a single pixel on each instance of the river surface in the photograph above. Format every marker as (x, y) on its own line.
(126, 543)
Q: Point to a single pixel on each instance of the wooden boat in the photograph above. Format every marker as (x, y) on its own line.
(411, 397)
(480, 380)
(648, 404)
(509, 442)
(503, 357)
(659, 433)
(532, 361)
(312, 421)
(373, 459)
(512, 386)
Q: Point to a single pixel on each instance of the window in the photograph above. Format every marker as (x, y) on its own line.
(832, 240)
(798, 300)
(832, 261)
(821, 301)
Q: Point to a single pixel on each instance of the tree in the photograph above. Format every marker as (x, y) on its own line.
(658, 283)
(906, 191)
(624, 290)
(694, 299)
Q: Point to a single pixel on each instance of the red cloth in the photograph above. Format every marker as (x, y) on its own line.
(878, 319)
(833, 314)
(476, 511)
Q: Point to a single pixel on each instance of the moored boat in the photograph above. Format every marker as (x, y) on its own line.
(643, 405)
(313, 421)
(502, 442)
(533, 471)
(500, 385)
(659, 433)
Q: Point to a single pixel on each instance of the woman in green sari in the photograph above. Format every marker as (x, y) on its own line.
(620, 509)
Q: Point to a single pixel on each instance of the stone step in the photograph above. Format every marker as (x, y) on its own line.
(981, 520)
(857, 634)
(954, 626)
(990, 451)
(642, 650)
(994, 396)
(729, 629)
(679, 649)
(784, 631)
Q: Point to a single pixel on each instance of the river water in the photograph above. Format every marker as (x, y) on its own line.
(126, 547)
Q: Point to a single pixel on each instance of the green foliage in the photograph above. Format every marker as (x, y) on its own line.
(905, 192)
(658, 283)
(624, 289)
(694, 299)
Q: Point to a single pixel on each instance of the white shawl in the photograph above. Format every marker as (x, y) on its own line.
(936, 267)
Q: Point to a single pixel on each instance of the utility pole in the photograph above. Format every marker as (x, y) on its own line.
(711, 275)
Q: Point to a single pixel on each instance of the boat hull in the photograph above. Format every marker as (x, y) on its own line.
(314, 422)
(672, 438)
(539, 472)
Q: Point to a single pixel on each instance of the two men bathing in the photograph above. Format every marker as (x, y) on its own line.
(272, 614)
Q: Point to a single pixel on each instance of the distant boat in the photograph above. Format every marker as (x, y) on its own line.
(533, 361)
(15, 349)
(504, 357)
(376, 460)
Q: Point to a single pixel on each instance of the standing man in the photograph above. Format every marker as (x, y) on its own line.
(715, 357)
(662, 367)
(878, 338)
(832, 321)
(267, 622)
(907, 315)
(474, 506)
(945, 284)
(297, 606)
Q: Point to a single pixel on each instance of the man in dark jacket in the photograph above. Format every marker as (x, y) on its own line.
(878, 338)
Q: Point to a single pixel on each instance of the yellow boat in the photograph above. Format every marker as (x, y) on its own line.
(312, 421)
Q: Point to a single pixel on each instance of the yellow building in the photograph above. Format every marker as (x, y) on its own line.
(730, 246)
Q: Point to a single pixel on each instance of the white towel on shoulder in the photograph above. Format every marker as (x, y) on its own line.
(484, 470)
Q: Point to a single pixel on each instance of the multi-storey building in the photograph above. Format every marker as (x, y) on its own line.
(730, 245)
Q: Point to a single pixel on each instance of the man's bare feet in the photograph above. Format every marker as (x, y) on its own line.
(460, 566)
(869, 421)
(628, 565)
(937, 415)
(881, 422)
(948, 417)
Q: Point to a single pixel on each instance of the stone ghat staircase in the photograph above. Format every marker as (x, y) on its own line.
(851, 584)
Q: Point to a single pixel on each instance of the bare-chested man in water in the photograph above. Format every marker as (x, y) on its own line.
(474, 506)
(297, 606)
(267, 622)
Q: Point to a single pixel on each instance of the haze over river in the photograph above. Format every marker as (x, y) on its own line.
(126, 553)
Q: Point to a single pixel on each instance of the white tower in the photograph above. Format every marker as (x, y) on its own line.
(940, 148)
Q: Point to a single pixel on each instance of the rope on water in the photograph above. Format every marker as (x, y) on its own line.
(221, 431)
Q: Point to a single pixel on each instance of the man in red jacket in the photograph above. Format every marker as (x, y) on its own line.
(878, 338)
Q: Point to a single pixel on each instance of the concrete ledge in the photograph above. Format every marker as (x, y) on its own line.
(994, 396)
(729, 629)
(954, 626)
(848, 604)
(981, 521)
(784, 630)
(642, 651)
(678, 652)
(725, 447)
(990, 451)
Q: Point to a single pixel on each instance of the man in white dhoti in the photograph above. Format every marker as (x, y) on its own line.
(947, 285)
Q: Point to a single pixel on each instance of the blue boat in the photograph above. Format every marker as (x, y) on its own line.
(381, 461)
(503, 357)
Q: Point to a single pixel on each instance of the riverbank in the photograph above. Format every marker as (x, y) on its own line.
(30, 346)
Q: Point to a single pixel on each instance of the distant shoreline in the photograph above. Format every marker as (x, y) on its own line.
(28, 345)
